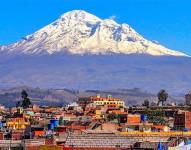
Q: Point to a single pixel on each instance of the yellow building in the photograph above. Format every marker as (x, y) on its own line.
(109, 101)
(17, 123)
(98, 114)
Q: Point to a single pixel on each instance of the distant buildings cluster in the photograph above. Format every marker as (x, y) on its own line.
(95, 123)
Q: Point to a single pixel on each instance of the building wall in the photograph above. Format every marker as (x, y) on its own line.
(109, 103)
(183, 121)
(188, 120)
(50, 147)
(38, 133)
(17, 123)
(133, 119)
(17, 135)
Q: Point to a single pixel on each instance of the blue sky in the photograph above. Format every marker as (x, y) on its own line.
(167, 21)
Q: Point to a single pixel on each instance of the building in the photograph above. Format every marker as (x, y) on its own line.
(134, 118)
(17, 123)
(182, 121)
(112, 103)
(83, 102)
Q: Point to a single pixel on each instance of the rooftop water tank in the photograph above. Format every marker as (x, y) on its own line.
(55, 122)
(50, 126)
(144, 118)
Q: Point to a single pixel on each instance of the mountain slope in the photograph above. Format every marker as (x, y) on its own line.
(97, 72)
(78, 32)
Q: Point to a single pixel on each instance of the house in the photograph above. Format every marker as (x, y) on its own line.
(182, 120)
(17, 123)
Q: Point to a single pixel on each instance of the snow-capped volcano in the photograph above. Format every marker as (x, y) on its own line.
(79, 32)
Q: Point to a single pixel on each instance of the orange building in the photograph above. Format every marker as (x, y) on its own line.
(118, 112)
(39, 133)
(133, 119)
(50, 147)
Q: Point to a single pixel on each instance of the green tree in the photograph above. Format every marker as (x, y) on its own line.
(156, 116)
(18, 104)
(162, 96)
(61, 120)
(146, 103)
(33, 121)
(25, 100)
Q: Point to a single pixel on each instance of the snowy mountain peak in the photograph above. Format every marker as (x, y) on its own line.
(79, 15)
(79, 32)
